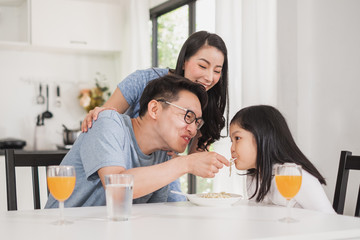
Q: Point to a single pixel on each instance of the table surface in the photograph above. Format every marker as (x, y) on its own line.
(182, 220)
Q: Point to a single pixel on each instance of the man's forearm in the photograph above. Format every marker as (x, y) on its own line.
(151, 178)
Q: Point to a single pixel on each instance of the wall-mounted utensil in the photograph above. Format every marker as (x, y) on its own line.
(40, 99)
(58, 101)
(40, 120)
(47, 113)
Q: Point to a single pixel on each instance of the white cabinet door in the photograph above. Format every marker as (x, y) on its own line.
(81, 24)
(14, 23)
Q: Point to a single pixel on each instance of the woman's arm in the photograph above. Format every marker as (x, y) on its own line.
(116, 102)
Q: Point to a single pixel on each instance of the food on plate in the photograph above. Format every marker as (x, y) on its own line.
(215, 195)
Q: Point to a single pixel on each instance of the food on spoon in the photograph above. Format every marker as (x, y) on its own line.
(215, 195)
(232, 161)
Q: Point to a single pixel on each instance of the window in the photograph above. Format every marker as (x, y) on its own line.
(172, 23)
(172, 33)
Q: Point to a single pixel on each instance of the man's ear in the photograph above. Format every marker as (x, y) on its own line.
(153, 109)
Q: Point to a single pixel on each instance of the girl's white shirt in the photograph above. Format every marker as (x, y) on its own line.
(310, 196)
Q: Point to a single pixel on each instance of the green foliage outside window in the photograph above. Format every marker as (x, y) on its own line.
(172, 33)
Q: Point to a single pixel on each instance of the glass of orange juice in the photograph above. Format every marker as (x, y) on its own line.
(61, 182)
(288, 178)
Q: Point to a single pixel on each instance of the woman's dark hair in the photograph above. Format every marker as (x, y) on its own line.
(275, 145)
(218, 98)
(168, 88)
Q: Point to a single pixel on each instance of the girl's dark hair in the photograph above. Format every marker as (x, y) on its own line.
(168, 88)
(218, 98)
(275, 144)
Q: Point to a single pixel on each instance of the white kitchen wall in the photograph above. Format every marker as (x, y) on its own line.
(318, 69)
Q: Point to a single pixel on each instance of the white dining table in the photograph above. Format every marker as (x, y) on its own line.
(181, 220)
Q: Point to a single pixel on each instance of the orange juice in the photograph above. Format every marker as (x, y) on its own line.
(288, 186)
(61, 187)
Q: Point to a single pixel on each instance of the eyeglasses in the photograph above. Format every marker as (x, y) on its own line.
(189, 117)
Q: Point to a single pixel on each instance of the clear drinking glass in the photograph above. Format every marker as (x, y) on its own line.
(61, 182)
(119, 196)
(288, 178)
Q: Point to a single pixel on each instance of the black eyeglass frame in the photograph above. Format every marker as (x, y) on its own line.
(199, 122)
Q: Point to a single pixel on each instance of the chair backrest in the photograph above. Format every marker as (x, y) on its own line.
(33, 159)
(347, 162)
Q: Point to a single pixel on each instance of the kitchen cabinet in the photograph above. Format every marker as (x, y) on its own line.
(79, 24)
(14, 21)
(94, 25)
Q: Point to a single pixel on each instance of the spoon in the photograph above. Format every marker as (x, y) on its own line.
(232, 161)
(58, 102)
(47, 113)
(40, 99)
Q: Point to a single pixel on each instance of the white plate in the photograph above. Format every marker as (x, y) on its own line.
(211, 202)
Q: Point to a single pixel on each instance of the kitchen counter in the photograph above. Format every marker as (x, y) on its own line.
(2, 151)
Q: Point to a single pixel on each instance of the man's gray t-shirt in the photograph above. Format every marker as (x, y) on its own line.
(132, 88)
(110, 142)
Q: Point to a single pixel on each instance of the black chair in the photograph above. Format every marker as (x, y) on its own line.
(347, 162)
(33, 159)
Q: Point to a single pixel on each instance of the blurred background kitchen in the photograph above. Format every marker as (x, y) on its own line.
(302, 56)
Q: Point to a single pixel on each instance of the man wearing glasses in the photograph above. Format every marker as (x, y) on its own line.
(169, 117)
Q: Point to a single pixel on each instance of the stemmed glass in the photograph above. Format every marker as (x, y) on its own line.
(61, 182)
(288, 177)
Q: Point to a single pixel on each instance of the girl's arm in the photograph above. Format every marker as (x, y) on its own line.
(312, 195)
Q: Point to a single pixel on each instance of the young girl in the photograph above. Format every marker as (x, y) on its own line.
(260, 139)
